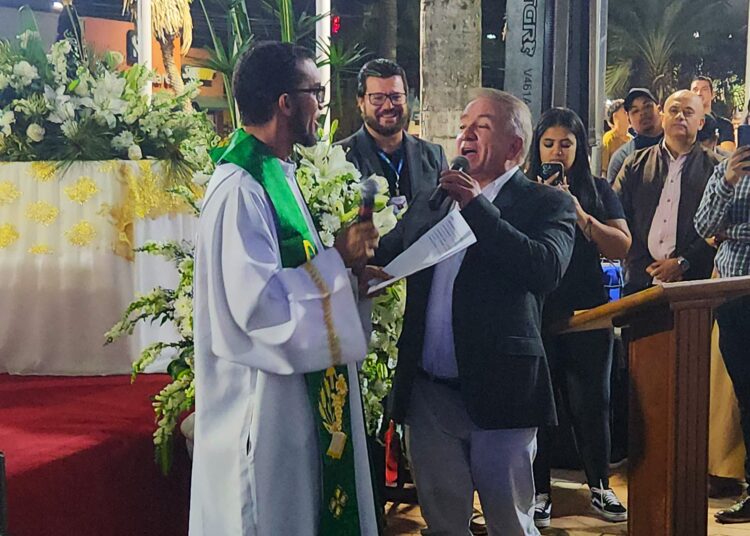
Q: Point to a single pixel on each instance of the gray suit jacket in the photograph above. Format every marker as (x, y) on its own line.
(424, 161)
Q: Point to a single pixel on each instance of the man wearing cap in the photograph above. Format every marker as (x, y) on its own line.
(660, 188)
(643, 113)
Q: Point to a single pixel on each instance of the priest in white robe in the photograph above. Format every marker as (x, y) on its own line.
(261, 327)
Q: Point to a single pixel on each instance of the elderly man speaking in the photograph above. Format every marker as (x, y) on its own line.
(472, 382)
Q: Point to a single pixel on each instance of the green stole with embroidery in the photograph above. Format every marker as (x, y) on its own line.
(328, 389)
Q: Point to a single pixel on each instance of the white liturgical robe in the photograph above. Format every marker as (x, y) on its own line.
(258, 329)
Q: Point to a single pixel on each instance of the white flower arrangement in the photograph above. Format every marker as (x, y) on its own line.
(330, 184)
(57, 106)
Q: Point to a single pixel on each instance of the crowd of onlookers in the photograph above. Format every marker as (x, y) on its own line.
(483, 370)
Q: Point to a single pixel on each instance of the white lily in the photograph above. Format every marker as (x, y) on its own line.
(60, 105)
(105, 100)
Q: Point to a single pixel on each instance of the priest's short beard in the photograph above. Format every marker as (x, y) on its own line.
(372, 122)
(300, 132)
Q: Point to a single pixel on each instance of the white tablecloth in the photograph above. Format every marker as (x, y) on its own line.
(64, 276)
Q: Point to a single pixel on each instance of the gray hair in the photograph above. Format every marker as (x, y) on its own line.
(517, 114)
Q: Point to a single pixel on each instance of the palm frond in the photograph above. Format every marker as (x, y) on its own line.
(286, 20)
(617, 78)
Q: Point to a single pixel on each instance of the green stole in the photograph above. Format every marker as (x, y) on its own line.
(328, 389)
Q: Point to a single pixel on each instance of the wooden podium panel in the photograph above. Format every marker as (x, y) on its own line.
(668, 330)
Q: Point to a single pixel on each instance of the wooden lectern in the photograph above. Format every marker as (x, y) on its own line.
(668, 328)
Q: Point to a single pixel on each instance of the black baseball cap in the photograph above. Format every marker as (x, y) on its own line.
(636, 92)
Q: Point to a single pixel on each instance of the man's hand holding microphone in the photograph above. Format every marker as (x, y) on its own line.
(457, 184)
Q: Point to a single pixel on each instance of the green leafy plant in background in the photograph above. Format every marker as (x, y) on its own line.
(343, 60)
(649, 40)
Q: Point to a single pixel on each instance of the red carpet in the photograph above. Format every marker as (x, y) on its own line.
(80, 460)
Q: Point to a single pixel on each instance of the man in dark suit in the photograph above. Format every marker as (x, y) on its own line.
(660, 188)
(472, 381)
(382, 146)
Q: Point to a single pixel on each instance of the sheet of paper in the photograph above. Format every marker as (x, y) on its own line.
(451, 235)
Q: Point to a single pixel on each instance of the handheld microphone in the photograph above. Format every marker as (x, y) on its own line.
(460, 163)
(368, 189)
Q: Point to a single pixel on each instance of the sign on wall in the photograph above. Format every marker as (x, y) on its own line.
(524, 52)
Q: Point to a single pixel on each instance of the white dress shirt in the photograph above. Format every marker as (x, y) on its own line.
(439, 353)
(662, 237)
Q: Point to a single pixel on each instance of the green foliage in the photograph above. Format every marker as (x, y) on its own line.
(166, 305)
(344, 60)
(223, 59)
(649, 40)
(286, 20)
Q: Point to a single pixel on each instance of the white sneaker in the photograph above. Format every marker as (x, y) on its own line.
(607, 505)
(542, 510)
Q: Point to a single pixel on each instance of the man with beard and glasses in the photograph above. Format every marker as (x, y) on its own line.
(412, 166)
(279, 423)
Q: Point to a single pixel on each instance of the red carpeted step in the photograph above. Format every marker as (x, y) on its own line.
(80, 458)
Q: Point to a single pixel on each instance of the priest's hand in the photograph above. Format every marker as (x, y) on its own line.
(369, 276)
(356, 244)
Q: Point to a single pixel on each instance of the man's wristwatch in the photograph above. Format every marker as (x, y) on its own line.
(684, 264)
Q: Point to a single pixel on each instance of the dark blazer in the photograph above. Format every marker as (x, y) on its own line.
(524, 243)
(424, 160)
(639, 185)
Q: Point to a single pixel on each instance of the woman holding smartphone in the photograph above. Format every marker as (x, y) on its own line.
(580, 362)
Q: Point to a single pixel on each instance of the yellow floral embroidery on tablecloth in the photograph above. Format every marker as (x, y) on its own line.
(8, 192)
(122, 221)
(42, 212)
(148, 194)
(8, 235)
(82, 190)
(81, 234)
(110, 166)
(44, 171)
(146, 197)
(40, 249)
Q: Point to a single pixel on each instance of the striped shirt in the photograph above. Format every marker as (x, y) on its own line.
(726, 209)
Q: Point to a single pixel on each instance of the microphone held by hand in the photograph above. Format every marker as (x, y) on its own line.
(460, 163)
(368, 189)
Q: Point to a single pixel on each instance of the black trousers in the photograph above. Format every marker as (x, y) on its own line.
(580, 364)
(734, 342)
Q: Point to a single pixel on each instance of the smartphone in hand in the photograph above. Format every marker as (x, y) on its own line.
(549, 169)
(743, 135)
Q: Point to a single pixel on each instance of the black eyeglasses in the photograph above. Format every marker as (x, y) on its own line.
(378, 99)
(319, 92)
